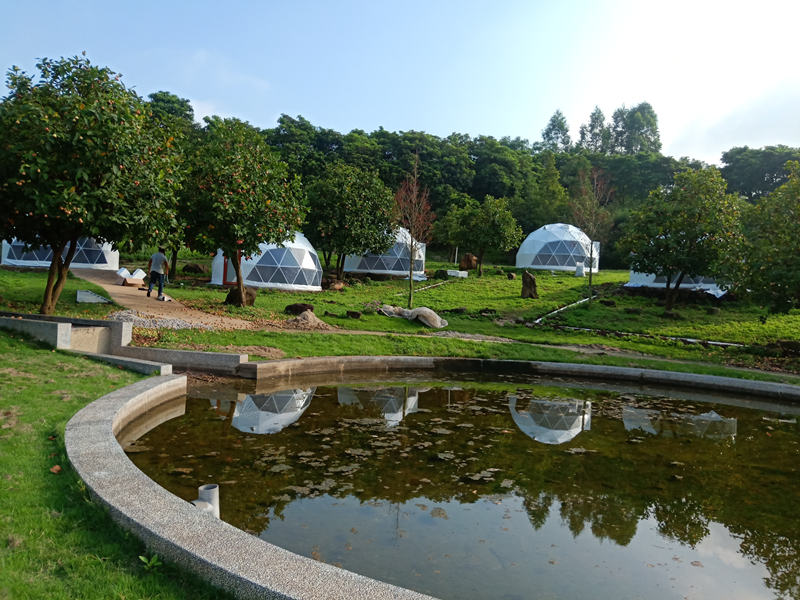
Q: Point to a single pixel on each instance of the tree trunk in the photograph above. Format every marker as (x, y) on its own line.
(340, 266)
(237, 267)
(410, 274)
(672, 294)
(591, 263)
(326, 255)
(57, 276)
(480, 263)
(173, 264)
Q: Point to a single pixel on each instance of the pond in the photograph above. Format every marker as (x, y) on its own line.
(509, 488)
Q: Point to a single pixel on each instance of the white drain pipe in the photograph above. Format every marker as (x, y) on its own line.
(208, 499)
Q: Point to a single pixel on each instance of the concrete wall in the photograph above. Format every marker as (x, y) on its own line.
(214, 362)
(57, 335)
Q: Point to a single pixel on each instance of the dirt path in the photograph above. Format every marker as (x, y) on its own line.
(136, 299)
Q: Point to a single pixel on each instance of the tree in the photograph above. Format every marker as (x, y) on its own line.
(414, 213)
(589, 210)
(240, 194)
(551, 197)
(80, 157)
(351, 213)
(595, 136)
(635, 130)
(755, 172)
(691, 228)
(484, 226)
(555, 137)
(773, 246)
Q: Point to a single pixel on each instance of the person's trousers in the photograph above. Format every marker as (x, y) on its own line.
(156, 277)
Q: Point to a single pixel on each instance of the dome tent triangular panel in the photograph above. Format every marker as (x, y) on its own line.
(275, 267)
(88, 255)
(557, 247)
(392, 262)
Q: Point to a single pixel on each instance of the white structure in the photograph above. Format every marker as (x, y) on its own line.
(393, 403)
(89, 255)
(392, 262)
(294, 266)
(270, 413)
(552, 421)
(699, 284)
(709, 425)
(558, 247)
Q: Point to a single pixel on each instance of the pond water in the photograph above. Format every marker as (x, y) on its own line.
(507, 488)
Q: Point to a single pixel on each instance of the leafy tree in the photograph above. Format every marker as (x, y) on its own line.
(551, 197)
(555, 137)
(690, 228)
(485, 226)
(773, 246)
(351, 213)
(167, 105)
(241, 194)
(589, 210)
(79, 156)
(414, 213)
(306, 149)
(635, 130)
(755, 172)
(596, 135)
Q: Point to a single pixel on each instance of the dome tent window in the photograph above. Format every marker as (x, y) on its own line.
(293, 266)
(558, 247)
(88, 255)
(395, 261)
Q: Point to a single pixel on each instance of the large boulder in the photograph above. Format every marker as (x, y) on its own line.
(195, 268)
(529, 285)
(298, 308)
(234, 298)
(467, 262)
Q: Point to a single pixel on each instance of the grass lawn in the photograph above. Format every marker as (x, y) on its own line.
(54, 542)
(21, 290)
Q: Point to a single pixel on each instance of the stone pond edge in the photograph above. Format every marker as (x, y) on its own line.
(246, 565)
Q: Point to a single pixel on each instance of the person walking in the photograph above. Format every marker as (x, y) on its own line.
(158, 268)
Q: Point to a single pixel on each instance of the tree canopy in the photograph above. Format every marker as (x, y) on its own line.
(80, 157)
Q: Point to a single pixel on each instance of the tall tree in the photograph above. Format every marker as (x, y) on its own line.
(691, 228)
(414, 213)
(635, 130)
(596, 135)
(551, 197)
(80, 157)
(555, 137)
(773, 246)
(589, 212)
(484, 226)
(241, 194)
(756, 172)
(351, 213)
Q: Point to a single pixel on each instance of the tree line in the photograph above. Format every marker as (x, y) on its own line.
(82, 155)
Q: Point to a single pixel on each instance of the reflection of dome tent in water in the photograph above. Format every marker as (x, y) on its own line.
(293, 266)
(394, 403)
(708, 425)
(557, 247)
(698, 283)
(270, 413)
(552, 421)
(392, 262)
(88, 255)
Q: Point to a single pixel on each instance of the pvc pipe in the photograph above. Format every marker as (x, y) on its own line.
(209, 493)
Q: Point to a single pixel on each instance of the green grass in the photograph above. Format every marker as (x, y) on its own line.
(54, 542)
(22, 291)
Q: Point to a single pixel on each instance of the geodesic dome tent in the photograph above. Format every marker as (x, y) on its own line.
(270, 413)
(557, 247)
(699, 283)
(392, 262)
(294, 266)
(89, 255)
(394, 403)
(552, 421)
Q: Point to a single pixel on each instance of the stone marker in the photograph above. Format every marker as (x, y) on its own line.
(467, 262)
(298, 308)
(529, 285)
(88, 296)
(249, 296)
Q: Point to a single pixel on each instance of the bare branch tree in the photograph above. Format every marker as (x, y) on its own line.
(414, 213)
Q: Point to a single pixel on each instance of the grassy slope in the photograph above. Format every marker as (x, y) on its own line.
(54, 542)
(21, 291)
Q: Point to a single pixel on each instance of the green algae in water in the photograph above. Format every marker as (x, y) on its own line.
(503, 489)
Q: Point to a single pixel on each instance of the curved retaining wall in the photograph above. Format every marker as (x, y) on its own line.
(242, 563)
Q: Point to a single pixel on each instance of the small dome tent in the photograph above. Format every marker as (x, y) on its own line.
(392, 262)
(557, 247)
(293, 266)
(88, 255)
(698, 284)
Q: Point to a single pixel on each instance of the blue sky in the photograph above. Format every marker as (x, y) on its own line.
(718, 74)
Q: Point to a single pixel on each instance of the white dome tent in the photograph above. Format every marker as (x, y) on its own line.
(394, 403)
(552, 421)
(557, 247)
(392, 262)
(293, 267)
(88, 255)
(270, 413)
(699, 283)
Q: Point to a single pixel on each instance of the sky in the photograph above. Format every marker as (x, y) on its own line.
(718, 74)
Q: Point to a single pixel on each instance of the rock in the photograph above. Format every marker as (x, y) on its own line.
(423, 314)
(234, 298)
(511, 276)
(353, 314)
(529, 286)
(330, 314)
(332, 284)
(631, 310)
(195, 268)
(308, 320)
(440, 274)
(298, 308)
(467, 262)
(607, 302)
